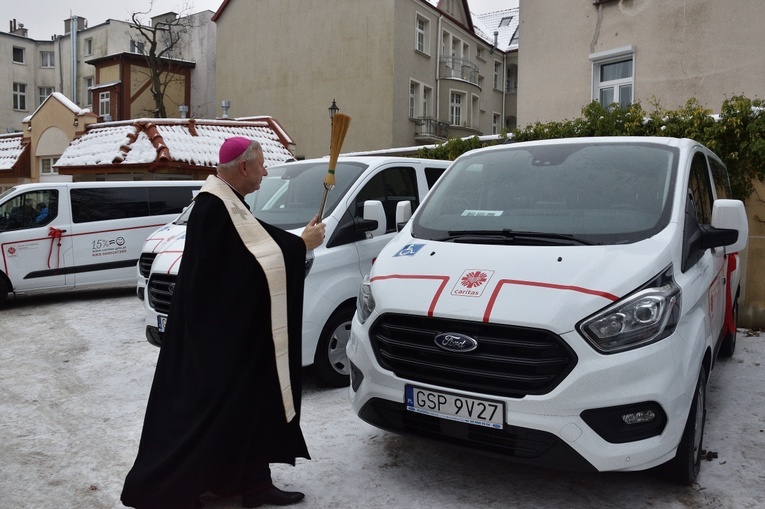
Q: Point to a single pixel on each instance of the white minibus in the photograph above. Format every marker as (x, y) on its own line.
(560, 302)
(75, 234)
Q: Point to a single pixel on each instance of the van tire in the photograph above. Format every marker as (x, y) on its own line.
(729, 341)
(684, 468)
(331, 360)
(4, 290)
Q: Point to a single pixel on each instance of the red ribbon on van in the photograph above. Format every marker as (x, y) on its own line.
(55, 233)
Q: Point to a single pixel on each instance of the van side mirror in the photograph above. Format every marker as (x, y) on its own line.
(731, 215)
(374, 211)
(403, 213)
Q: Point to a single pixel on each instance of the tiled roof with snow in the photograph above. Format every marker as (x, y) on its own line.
(10, 150)
(189, 141)
(505, 22)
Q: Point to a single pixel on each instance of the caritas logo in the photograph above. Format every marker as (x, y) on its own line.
(472, 283)
(11, 251)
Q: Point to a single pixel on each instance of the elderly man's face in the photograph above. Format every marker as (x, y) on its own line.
(255, 171)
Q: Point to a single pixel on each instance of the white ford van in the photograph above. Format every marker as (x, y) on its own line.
(360, 217)
(157, 242)
(74, 234)
(559, 302)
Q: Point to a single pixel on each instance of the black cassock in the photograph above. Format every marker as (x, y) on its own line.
(215, 410)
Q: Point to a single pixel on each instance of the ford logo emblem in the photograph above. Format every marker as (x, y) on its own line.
(455, 342)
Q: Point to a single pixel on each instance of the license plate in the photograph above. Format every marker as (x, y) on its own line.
(479, 412)
(161, 322)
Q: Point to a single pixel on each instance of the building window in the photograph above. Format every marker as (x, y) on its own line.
(89, 46)
(422, 34)
(419, 97)
(19, 55)
(104, 104)
(426, 93)
(613, 74)
(88, 95)
(495, 120)
(43, 93)
(46, 166)
(455, 108)
(413, 92)
(136, 47)
(475, 109)
(19, 96)
(47, 59)
(497, 75)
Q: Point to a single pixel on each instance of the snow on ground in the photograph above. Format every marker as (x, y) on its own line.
(75, 371)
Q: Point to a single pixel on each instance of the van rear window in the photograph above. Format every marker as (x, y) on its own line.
(102, 204)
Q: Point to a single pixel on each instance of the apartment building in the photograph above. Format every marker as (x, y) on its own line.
(644, 51)
(612, 51)
(92, 73)
(69, 64)
(407, 72)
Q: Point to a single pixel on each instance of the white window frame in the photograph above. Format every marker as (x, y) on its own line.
(89, 46)
(422, 35)
(419, 99)
(88, 83)
(427, 94)
(19, 96)
(457, 100)
(104, 103)
(414, 89)
(137, 47)
(475, 111)
(46, 166)
(609, 57)
(497, 75)
(43, 93)
(47, 59)
(496, 120)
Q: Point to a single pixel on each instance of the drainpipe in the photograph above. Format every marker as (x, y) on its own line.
(61, 64)
(504, 91)
(438, 70)
(73, 59)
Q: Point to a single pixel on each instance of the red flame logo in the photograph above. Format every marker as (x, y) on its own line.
(473, 279)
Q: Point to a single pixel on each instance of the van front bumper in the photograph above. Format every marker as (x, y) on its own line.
(576, 426)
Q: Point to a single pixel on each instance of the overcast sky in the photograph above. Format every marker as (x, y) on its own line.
(44, 18)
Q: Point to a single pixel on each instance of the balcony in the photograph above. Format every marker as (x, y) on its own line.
(511, 86)
(430, 130)
(460, 69)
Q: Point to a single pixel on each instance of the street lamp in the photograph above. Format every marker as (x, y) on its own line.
(332, 110)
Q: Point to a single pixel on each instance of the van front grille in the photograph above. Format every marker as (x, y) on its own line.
(509, 361)
(160, 292)
(144, 263)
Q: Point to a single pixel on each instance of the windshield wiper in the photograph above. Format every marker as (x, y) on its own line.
(511, 236)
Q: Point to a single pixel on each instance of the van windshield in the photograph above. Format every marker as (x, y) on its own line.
(290, 196)
(553, 194)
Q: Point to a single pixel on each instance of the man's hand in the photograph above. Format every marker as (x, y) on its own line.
(313, 234)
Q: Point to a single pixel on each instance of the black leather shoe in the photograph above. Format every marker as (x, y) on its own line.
(271, 496)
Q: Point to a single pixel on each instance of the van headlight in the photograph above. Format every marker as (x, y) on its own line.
(365, 304)
(646, 316)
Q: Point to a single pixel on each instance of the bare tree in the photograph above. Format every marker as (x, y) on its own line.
(162, 43)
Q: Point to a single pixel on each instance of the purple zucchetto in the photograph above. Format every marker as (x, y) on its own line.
(233, 148)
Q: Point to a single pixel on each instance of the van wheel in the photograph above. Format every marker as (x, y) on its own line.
(331, 360)
(4, 290)
(729, 341)
(685, 466)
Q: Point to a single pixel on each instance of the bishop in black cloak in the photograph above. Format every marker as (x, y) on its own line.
(225, 400)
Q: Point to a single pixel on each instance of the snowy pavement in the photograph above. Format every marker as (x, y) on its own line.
(75, 372)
